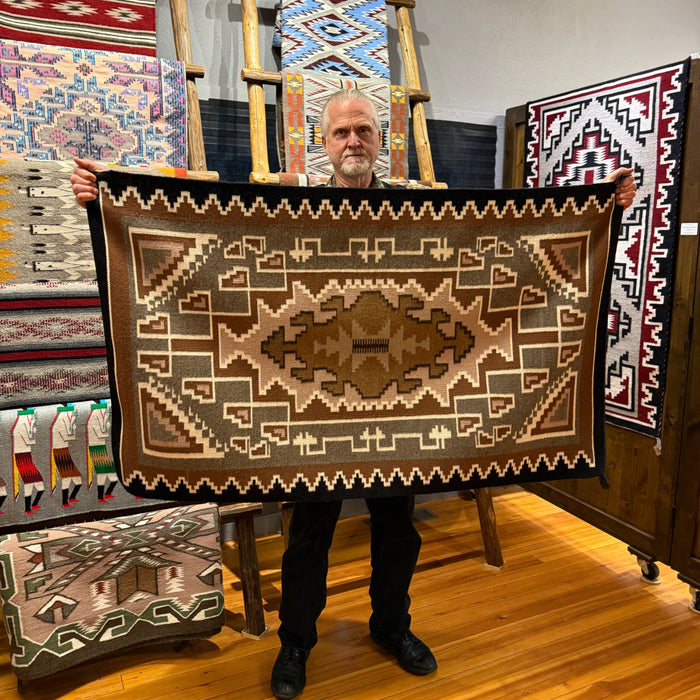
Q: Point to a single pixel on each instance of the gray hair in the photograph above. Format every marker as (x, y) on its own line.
(344, 96)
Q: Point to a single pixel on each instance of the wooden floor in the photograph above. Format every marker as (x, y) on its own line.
(566, 617)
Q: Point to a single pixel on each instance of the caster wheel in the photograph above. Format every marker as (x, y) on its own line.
(694, 604)
(650, 572)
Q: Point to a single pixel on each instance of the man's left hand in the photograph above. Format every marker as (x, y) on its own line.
(626, 189)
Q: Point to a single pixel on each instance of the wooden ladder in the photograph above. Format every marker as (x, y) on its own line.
(255, 77)
(196, 157)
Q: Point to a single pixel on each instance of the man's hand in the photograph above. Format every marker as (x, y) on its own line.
(83, 180)
(627, 187)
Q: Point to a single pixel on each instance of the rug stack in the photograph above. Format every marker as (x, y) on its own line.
(87, 568)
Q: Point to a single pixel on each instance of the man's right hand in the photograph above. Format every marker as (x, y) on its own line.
(83, 180)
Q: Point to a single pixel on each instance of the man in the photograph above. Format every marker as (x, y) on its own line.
(350, 137)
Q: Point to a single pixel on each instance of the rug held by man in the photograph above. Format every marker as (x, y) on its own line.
(286, 342)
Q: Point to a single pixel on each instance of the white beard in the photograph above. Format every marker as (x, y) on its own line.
(355, 167)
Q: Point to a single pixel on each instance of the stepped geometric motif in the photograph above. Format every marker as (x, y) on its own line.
(580, 137)
(57, 103)
(76, 592)
(344, 37)
(315, 342)
(126, 25)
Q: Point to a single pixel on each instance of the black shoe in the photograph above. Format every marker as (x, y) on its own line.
(289, 672)
(412, 654)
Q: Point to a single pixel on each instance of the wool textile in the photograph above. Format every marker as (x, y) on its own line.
(292, 342)
(636, 121)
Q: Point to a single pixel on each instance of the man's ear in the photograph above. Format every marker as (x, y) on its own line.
(323, 143)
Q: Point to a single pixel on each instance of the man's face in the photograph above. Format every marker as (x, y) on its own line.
(352, 140)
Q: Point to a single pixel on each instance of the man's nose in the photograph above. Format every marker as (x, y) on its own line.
(353, 139)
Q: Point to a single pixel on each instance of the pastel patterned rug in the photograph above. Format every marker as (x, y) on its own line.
(304, 95)
(56, 467)
(346, 37)
(581, 136)
(311, 342)
(108, 25)
(57, 103)
(74, 593)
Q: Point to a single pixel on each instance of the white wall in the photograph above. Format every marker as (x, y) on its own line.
(476, 57)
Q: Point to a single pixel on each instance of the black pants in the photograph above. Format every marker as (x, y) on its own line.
(395, 545)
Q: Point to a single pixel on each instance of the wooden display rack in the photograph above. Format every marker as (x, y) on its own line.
(196, 157)
(255, 78)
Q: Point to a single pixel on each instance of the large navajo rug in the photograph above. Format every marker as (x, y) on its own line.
(56, 467)
(304, 95)
(77, 592)
(348, 37)
(307, 342)
(57, 103)
(108, 25)
(581, 136)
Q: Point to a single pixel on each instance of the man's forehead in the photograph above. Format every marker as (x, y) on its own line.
(351, 109)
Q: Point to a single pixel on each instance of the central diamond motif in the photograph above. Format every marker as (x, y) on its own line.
(371, 345)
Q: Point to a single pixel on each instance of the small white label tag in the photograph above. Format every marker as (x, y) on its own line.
(689, 229)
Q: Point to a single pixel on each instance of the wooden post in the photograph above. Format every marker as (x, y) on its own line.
(514, 153)
(250, 578)
(410, 64)
(286, 511)
(183, 50)
(256, 97)
(487, 520)
(242, 515)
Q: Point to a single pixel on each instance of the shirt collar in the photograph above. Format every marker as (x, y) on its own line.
(375, 184)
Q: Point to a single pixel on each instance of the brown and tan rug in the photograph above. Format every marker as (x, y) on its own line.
(287, 342)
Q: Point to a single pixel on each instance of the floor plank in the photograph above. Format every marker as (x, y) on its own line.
(567, 616)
